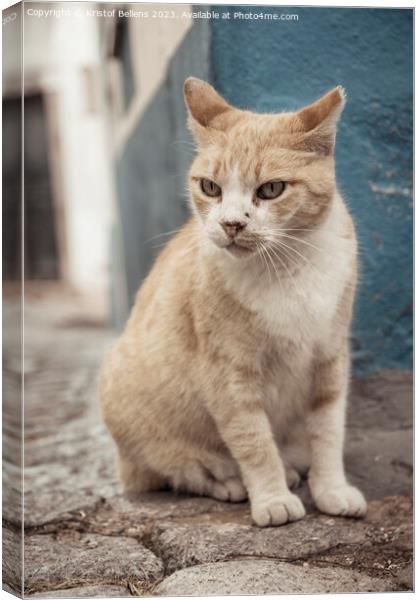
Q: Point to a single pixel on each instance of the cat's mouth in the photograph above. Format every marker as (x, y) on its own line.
(238, 250)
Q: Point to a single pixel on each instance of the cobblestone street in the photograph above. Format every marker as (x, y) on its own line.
(83, 538)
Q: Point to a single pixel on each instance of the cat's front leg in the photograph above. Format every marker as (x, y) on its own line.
(245, 428)
(325, 423)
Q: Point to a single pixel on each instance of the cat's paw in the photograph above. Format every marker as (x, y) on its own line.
(344, 500)
(231, 490)
(277, 510)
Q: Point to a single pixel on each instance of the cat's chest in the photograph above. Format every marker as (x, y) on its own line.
(296, 307)
(295, 311)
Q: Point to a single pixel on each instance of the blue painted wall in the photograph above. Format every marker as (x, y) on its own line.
(269, 66)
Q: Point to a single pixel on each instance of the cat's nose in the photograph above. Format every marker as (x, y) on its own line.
(232, 228)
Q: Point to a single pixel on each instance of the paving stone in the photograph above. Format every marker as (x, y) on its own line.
(135, 515)
(69, 458)
(59, 508)
(388, 547)
(266, 577)
(56, 491)
(88, 591)
(12, 559)
(215, 537)
(380, 462)
(71, 559)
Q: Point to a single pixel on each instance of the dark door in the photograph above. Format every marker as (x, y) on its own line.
(11, 184)
(41, 254)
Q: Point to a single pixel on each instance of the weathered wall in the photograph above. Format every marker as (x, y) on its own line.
(269, 66)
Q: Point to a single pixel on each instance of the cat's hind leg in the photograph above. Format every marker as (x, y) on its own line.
(202, 472)
(137, 477)
(196, 478)
(293, 477)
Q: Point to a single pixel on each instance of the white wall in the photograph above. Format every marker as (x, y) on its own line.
(62, 55)
(153, 43)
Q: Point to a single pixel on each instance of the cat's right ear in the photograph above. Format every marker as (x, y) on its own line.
(204, 105)
(318, 121)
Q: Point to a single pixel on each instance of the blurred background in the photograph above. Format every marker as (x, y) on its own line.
(105, 146)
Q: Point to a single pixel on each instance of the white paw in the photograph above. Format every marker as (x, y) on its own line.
(277, 510)
(231, 490)
(344, 500)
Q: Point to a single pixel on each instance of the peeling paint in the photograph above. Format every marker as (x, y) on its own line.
(390, 190)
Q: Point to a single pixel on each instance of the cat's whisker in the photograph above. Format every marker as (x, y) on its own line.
(284, 264)
(285, 249)
(276, 271)
(164, 234)
(266, 250)
(184, 143)
(275, 232)
(260, 252)
(292, 237)
(305, 258)
(155, 247)
(292, 229)
(304, 242)
(269, 262)
(297, 239)
(279, 233)
(193, 244)
(288, 248)
(164, 243)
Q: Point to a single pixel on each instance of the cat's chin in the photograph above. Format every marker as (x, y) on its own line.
(238, 251)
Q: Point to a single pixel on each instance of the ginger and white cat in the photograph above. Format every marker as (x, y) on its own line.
(231, 375)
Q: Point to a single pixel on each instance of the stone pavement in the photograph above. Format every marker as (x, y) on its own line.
(83, 538)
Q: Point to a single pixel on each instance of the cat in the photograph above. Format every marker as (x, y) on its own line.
(230, 378)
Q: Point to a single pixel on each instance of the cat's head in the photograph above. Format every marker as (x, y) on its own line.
(258, 177)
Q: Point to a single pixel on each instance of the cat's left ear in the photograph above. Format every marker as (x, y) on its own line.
(318, 121)
(204, 106)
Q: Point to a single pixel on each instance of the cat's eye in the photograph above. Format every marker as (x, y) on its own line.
(210, 188)
(271, 190)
